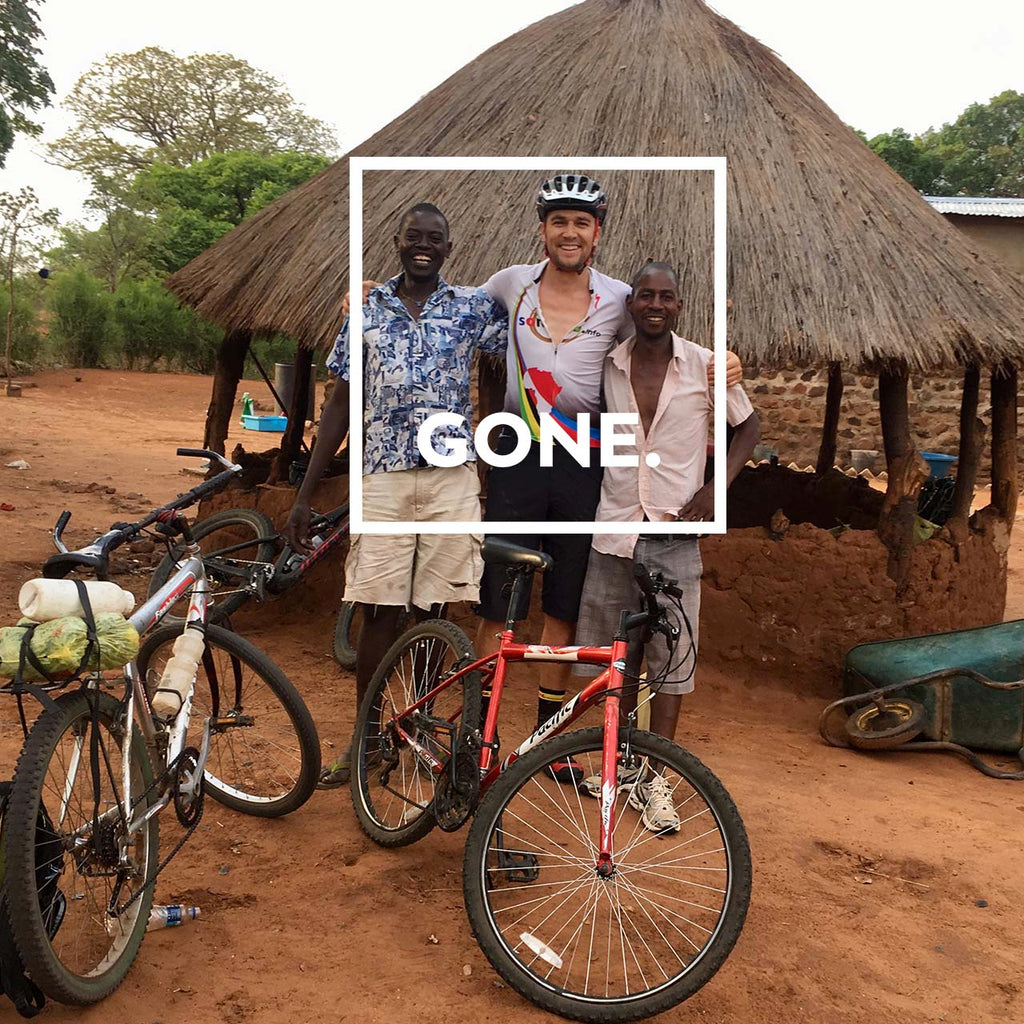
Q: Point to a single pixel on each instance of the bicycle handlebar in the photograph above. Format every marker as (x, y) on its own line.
(119, 533)
(652, 584)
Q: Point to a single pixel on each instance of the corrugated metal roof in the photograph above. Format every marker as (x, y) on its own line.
(977, 206)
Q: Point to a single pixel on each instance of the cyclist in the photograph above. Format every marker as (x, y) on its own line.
(564, 318)
(663, 378)
(554, 363)
(419, 336)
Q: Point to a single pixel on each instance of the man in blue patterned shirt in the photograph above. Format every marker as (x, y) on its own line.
(419, 337)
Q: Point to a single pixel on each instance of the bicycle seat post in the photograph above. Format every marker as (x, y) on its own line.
(520, 580)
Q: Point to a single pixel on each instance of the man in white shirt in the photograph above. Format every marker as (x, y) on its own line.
(663, 379)
(564, 318)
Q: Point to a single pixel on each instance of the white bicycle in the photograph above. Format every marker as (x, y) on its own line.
(98, 767)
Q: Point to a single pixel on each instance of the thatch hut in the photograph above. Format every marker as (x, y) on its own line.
(833, 258)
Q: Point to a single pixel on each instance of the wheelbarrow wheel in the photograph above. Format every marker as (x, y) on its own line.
(898, 723)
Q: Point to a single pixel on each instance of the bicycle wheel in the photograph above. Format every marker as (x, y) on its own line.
(62, 878)
(392, 783)
(617, 948)
(899, 722)
(346, 633)
(243, 535)
(264, 750)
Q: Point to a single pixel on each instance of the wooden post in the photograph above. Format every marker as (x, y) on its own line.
(907, 472)
(1004, 442)
(298, 407)
(833, 400)
(490, 398)
(226, 375)
(971, 439)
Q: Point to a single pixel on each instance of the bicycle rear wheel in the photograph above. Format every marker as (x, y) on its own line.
(63, 875)
(265, 753)
(606, 949)
(230, 541)
(346, 633)
(392, 783)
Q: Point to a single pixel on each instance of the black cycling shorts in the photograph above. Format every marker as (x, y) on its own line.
(564, 491)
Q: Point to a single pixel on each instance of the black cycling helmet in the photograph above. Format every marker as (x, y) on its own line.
(572, 192)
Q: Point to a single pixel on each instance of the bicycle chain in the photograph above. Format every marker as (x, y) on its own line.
(164, 776)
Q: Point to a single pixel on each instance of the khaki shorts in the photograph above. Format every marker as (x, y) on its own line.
(417, 569)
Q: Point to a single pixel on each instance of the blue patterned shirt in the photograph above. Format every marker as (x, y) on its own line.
(413, 369)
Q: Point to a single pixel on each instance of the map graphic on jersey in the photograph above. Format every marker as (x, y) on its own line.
(544, 387)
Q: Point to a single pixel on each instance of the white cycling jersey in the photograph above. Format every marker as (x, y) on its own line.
(560, 378)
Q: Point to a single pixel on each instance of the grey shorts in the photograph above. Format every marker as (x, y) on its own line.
(610, 587)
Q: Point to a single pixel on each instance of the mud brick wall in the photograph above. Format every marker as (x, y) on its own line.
(772, 607)
(791, 607)
(791, 405)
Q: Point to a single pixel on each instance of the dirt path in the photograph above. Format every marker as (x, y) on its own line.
(886, 888)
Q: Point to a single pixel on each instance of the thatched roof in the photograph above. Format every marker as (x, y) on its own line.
(831, 254)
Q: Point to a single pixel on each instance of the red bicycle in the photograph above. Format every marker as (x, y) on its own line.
(579, 906)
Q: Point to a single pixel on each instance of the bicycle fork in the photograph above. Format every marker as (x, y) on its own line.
(610, 757)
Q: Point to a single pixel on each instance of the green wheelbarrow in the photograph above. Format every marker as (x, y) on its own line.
(956, 692)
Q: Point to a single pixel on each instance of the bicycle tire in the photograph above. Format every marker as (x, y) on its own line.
(235, 525)
(345, 643)
(426, 651)
(43, 771)
(238, 771)
(701, 871)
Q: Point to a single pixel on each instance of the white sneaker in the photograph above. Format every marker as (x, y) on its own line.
(654, 800)
(627, 777)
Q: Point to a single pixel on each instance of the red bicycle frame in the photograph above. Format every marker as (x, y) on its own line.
(609, 682)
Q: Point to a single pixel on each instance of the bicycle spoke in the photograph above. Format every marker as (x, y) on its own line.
(588, 934)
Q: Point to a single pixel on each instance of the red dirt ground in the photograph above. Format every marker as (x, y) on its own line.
(868, 869)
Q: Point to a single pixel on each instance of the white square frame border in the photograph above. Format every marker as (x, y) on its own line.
(359, 164)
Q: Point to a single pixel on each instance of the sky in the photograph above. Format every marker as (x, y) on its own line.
(878, 63)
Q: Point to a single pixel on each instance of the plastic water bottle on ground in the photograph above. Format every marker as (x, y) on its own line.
(170, 916)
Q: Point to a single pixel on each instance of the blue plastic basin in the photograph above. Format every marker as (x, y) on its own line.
(938, 463)
(273, 423)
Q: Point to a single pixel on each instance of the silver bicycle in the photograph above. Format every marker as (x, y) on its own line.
(99, 766)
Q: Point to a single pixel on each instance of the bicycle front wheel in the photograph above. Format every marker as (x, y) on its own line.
(264, 750)
(392, 782)
(617, 948)
(73, 869)
(231, 541)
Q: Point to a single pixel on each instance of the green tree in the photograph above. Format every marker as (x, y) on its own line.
(134, 109)
(156, 329)
(24, 224)
(25, 87)
(198, 204)
(982, 151)
(980, 154)
(83, 322)
(908, 157)
(117, 250)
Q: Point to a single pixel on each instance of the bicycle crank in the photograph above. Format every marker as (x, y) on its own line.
(187, 787)
(457, 789)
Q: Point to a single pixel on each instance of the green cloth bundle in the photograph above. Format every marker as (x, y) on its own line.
(60, 645)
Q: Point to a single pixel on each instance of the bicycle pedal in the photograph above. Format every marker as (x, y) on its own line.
(519, 867)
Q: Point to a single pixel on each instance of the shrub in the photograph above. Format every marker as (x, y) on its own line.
(26, 340)
(83, 323)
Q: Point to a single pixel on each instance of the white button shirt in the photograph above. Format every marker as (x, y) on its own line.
(678, 434)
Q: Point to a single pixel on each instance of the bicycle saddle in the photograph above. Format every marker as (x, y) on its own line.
(504, 552)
